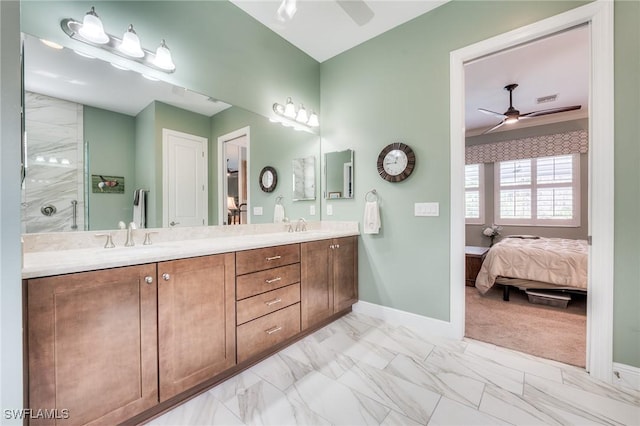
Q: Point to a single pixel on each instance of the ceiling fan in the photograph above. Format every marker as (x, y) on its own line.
(512, 115)
(356, 9)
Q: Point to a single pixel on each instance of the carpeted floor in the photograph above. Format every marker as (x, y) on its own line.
(544, 331)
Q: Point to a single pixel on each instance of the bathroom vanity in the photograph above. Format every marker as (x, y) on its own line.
(123, 334)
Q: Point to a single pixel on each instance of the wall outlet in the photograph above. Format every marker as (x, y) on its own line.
(257, 211)
(312, 210)
(426, 209)
(329, 210)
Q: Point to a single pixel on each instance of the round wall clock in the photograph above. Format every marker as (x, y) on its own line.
(396, 162)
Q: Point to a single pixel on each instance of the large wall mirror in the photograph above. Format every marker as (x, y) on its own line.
(338, 174)
(94, 136)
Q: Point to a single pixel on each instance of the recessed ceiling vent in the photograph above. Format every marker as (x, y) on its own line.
(547, 99)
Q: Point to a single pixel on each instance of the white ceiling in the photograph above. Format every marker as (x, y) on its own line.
(322, 29)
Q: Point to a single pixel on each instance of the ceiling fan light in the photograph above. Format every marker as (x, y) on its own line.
(130, 45)
(302, 115)
(290, 109)
(511, 120)
(163, 58)
(92, 29)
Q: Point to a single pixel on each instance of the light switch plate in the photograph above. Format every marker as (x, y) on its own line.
(257, 211)
(426, 209)
(329, 210)
(312, 210)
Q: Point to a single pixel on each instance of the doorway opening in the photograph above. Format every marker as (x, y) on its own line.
(234, 177)
(526, 187)
(599, 16)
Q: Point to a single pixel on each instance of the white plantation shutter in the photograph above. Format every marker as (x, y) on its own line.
(538, 191)
(474, 193)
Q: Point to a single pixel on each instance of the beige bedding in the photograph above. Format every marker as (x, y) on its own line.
(557, 261)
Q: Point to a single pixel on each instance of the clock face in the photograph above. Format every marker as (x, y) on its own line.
(396, 162)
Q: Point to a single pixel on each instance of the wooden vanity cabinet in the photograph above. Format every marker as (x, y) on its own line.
(92, 344)
(196, 321)
(329, 278)
(268, 298)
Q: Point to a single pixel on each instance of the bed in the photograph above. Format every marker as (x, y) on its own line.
(530, 262)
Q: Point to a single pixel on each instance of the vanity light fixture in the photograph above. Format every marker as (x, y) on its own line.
(288, 116)
(91, 32)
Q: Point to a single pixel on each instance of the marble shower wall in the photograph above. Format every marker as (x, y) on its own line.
(55, 164)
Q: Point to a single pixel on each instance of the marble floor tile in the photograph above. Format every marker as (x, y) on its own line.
(363, 371)
(336, 402)
(407, 398)
(449, 412)
(478, 368)
(565, 399)
(202, 410)
(518, 361)
(450, 383)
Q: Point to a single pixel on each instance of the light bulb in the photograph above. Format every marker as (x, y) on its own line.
(313, 120)
(130, 45)
(290, 109)
(302, 115)
(91, 29)
(163, 58)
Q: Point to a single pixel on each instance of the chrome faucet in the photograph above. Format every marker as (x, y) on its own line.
(301, 225)
(130, 242)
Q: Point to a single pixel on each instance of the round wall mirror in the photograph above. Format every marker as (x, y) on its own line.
(268, 179)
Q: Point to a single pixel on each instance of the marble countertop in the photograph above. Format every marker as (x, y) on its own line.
(54, 261)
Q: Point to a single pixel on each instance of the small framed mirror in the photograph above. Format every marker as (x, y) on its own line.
(268, 179)
(304, 178)
(338, 174)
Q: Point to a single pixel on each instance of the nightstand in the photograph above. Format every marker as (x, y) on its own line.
(473, 261)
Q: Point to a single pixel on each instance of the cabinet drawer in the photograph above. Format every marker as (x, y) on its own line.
(265, 303)
(261, 282)
(262, 333)
(265, 258)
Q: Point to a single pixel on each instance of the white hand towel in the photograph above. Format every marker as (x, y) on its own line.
(139, 208)
(371, 217)
(278, 213)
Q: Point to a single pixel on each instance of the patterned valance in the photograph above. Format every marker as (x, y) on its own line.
(538, 146)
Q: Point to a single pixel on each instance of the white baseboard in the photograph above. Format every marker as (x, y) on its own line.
(432, 326)
(627, 376)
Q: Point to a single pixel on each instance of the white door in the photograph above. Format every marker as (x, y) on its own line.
(184, 179)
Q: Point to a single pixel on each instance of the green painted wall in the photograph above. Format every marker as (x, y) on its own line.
(271, 145)
(110, 139)
(147, 162)
(396, 88)
(626, 320)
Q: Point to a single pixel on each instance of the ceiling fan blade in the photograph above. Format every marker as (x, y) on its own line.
(550, 111)
(357, 10)
(493, 128)
(497, 114)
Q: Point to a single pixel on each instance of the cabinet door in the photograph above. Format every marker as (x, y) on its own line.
(196, 320)
(345, 272)
(316, 285)
(92, 344)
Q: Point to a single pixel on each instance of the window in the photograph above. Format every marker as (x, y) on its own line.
(474, 193)
(541, 191)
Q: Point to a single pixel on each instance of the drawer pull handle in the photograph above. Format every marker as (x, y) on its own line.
(274, 258)
(276, 279)
(273, 330)
(273, 302)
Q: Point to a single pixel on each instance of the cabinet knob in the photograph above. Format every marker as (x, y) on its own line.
(166, 276)
(148, 279)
